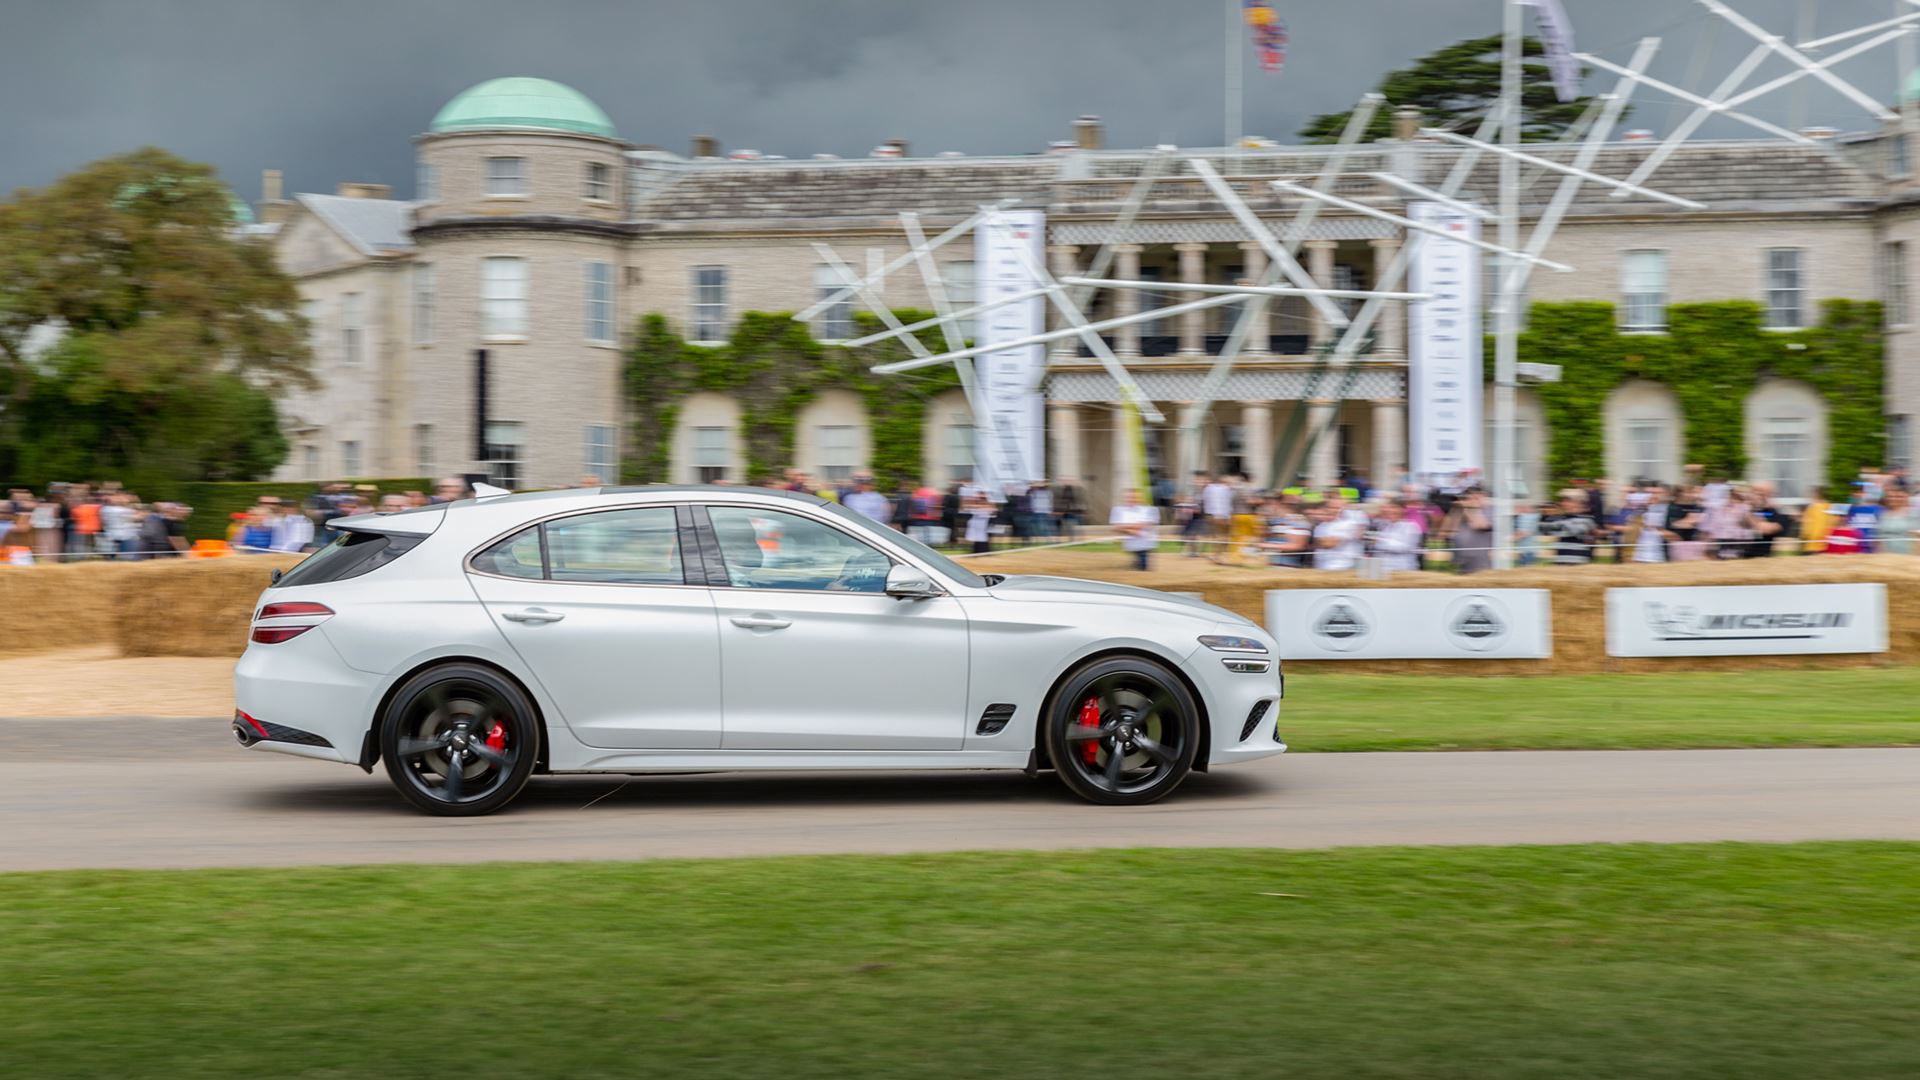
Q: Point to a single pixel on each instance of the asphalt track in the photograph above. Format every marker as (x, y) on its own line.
(178, 793)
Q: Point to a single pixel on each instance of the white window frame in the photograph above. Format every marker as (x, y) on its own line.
(712, 450)
(597, 290)
(708, 315)
(600, 456)
(503, 300)
(506, 446)
(1894, 298)
(839, 452)
(310, 460)
(597, 180)
(423, 460)
(1779, 317)
(350, 460)
(836, 320)
(1900, 440)
(962, 280)
(504, 181)
(1799, 429)
(353, 329)
(423, 299)
(1899, 155)
(1650, 465)
(961, 466)
(426, 182)
(1643, 303)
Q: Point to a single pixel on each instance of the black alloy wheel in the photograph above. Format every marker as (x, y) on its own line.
(1123, 731)
(459, 740)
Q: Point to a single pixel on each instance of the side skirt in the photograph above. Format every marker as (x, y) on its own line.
(776, 760)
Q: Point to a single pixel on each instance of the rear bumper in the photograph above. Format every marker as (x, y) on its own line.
(298, 697)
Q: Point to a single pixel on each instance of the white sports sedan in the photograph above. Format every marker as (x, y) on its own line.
(670, 629)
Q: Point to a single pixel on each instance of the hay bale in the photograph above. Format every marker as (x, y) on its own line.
(190, 607)
(1578, 603)
(58, 606)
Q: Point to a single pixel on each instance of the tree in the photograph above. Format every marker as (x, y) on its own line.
(141, 337)
(1454, 88)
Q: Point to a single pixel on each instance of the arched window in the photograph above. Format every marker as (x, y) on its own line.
(706, 441)
(830, 437)
(1786, 437)
(1643, 427)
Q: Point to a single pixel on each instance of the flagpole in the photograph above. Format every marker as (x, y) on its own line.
(1506, 345)
(1233, 91)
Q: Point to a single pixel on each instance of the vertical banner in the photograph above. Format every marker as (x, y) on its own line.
(1556, 36)
(1009, 379)
(1443, 346)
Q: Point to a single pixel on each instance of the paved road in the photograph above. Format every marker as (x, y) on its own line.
(172, 793)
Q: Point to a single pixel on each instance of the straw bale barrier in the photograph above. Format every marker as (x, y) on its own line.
(1578, 603)
(164, 607)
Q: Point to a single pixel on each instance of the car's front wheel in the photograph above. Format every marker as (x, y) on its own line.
(459, 740)
(1123, 731)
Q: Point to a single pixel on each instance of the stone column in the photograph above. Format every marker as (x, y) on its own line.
(1323, 461)
(1391, 329)
(1389, 442)
(1256, 422)
(1125, 461)
(1193, 324)
(1063, 261)
(1064, 421)
(1187, 457)
(1255, 258)
(1320, 268)
(1126, 261)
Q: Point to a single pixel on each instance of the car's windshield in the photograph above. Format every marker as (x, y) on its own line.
(960, 574)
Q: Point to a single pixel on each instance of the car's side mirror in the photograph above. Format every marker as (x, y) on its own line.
(910, 583)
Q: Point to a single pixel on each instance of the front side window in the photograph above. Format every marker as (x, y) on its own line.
(1786, 289)
(836, 322)
(709, 303)
(616, 547)
(422, 303)
(1643, 291)
(503, 297)
(772, 549)
(1893, 281)
(599, 181)
(599, 452)
(353, 328)
(505, 445)
(599, 293)
(506, 176)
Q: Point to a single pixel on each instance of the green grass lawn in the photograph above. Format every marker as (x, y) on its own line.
(1603, 961)
(1856, 707)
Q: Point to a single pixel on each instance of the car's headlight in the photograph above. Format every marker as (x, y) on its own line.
(1232, 643)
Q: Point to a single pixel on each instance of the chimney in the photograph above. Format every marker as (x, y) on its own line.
(354, 189)
(899, 146)
(273, 204)
(1087, 132)
(705, 146)
(1406, 123)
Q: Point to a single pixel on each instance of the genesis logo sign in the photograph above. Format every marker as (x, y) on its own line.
(1340, 623)
(1680, 622)
(1477, 623)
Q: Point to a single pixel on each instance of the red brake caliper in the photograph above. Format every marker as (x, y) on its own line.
(497, 736)
(1090, 717)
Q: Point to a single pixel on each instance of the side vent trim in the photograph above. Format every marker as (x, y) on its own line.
(994, 720)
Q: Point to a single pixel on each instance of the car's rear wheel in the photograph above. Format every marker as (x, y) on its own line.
(1123, 731)
(459, 740)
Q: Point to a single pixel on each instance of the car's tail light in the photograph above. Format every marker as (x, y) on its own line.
(291, 618)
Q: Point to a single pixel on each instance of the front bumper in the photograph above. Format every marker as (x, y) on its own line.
(1233, 700)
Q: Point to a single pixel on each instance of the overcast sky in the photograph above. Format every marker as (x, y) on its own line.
(332, 90)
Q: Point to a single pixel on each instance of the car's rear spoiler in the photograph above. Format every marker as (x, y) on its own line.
(419, 521)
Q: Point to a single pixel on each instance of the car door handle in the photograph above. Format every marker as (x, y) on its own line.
(532, 615)
(761, 622)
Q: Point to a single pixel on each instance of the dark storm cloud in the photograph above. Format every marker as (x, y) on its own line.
(332, 90)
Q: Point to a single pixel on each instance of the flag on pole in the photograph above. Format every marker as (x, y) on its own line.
(1556, 34)
(1269, 34)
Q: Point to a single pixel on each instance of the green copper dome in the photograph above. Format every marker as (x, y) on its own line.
(520, 102)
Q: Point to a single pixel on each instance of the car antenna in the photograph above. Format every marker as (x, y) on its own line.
(488, 491)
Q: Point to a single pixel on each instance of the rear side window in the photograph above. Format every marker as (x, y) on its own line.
(607, 547)
(516, 556)
(348, 556)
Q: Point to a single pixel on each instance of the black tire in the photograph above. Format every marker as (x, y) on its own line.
(1143, 711)
(459, 740)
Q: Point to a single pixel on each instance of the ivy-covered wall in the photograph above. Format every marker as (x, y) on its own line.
(773, 367)
(1712, 356)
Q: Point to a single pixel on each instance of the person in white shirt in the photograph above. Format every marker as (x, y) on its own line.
(120, 524)
(1138, 526)
(1400, 538)
(290, 529)
(1216, 505)
(867, 502)
(1339, 539)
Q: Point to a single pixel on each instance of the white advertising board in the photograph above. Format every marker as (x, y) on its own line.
(1747, 620)
(1411, 624)
(1009, 379)
(1443, 346)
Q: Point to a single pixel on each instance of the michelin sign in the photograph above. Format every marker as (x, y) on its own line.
(1748, 620)
(1411, 624)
